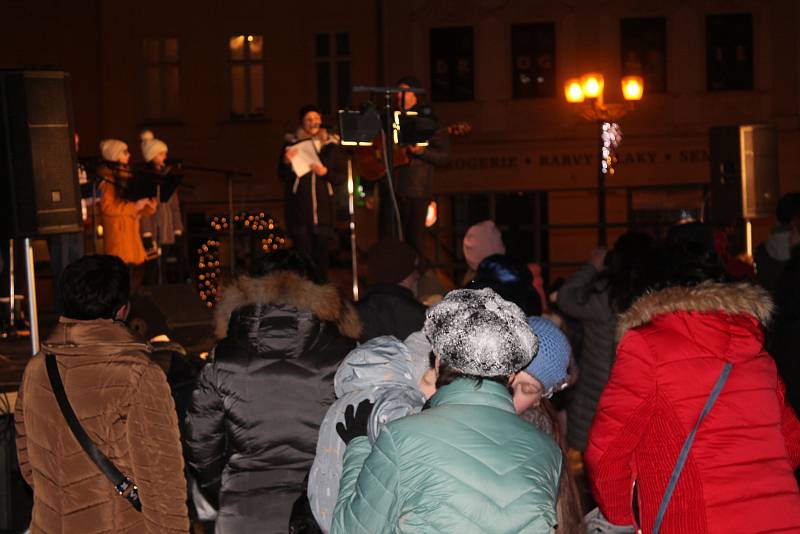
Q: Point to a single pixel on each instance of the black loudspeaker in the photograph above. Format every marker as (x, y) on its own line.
(39, 190)
(174, 310)
(744, 173)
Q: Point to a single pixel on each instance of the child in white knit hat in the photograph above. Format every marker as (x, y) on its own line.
(159, 230)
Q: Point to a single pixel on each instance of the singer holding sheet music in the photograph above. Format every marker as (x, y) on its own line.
(120, 217)
(309, 205)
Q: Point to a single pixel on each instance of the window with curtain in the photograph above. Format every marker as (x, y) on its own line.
(533, 60)
(332, 64)
(729, 52)
(246, 54)
(452, 64)
(162, 78)
(643, 48)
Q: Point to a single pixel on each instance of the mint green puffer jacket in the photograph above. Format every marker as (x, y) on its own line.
(466, 465)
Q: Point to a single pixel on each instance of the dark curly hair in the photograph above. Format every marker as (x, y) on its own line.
(690, 263)
(287, 260)
(94, 287)
(631, 268)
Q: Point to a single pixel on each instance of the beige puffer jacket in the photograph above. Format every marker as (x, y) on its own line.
(124, 403)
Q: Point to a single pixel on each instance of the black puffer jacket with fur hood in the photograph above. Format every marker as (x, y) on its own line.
(256, 412)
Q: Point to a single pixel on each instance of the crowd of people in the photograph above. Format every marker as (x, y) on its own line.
(656, 371)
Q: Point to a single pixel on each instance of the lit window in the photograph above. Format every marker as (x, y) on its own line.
(246, 53)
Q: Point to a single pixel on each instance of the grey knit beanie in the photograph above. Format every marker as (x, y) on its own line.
(478, 333)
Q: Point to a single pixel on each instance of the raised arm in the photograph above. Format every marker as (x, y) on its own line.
(576, 297)
(112, 204)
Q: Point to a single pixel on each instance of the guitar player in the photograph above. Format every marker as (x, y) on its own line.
(413, 183)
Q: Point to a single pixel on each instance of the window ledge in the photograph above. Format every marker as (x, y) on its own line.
(246, 120)
(162, 122)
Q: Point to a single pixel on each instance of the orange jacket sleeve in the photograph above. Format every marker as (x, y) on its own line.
(112, 204)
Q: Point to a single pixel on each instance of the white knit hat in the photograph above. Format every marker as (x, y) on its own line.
(151, 146)
(478, 333)
(112, 149)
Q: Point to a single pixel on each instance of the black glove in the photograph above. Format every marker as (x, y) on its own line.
(355, 424)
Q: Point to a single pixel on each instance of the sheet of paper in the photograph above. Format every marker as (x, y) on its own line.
(304, 157)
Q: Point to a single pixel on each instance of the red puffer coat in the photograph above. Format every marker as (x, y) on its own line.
(739, 474)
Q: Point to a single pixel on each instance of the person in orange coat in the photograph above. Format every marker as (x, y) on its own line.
(120, 216)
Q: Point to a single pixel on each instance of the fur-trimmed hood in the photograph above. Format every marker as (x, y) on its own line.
(287, 289)
(734, 299)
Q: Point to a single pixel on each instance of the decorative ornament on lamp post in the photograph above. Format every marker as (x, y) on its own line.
(586, 96)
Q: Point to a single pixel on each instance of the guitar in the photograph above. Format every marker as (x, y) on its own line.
(369, 159)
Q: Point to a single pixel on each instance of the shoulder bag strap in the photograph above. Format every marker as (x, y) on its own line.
(123, 484)
(676, 472)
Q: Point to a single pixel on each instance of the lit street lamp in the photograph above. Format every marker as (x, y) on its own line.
(586, 95)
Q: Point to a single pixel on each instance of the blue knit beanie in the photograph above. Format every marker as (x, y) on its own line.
(550, 365)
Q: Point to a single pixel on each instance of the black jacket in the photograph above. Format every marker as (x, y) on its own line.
(309, 200)
(784, 334)
(256, 411)
(390, 310)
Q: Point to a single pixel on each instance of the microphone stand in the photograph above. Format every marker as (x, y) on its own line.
(351, 209)
(230, 175)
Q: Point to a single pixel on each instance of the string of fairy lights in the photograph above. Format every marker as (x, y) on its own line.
(209, 270)
(611, 137)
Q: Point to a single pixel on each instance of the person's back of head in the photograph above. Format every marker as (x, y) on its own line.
(478, 335)
(631, 268)
(391, 261)
(287, 260)
(788, 208)
(94, 287)
(689, 255)
(511, 279)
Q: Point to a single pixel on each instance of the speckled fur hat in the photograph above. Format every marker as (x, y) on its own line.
(478, 333)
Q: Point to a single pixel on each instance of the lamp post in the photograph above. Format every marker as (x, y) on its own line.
(586, 96)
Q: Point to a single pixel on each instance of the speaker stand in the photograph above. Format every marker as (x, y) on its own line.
(12, 289)
(33, 314)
